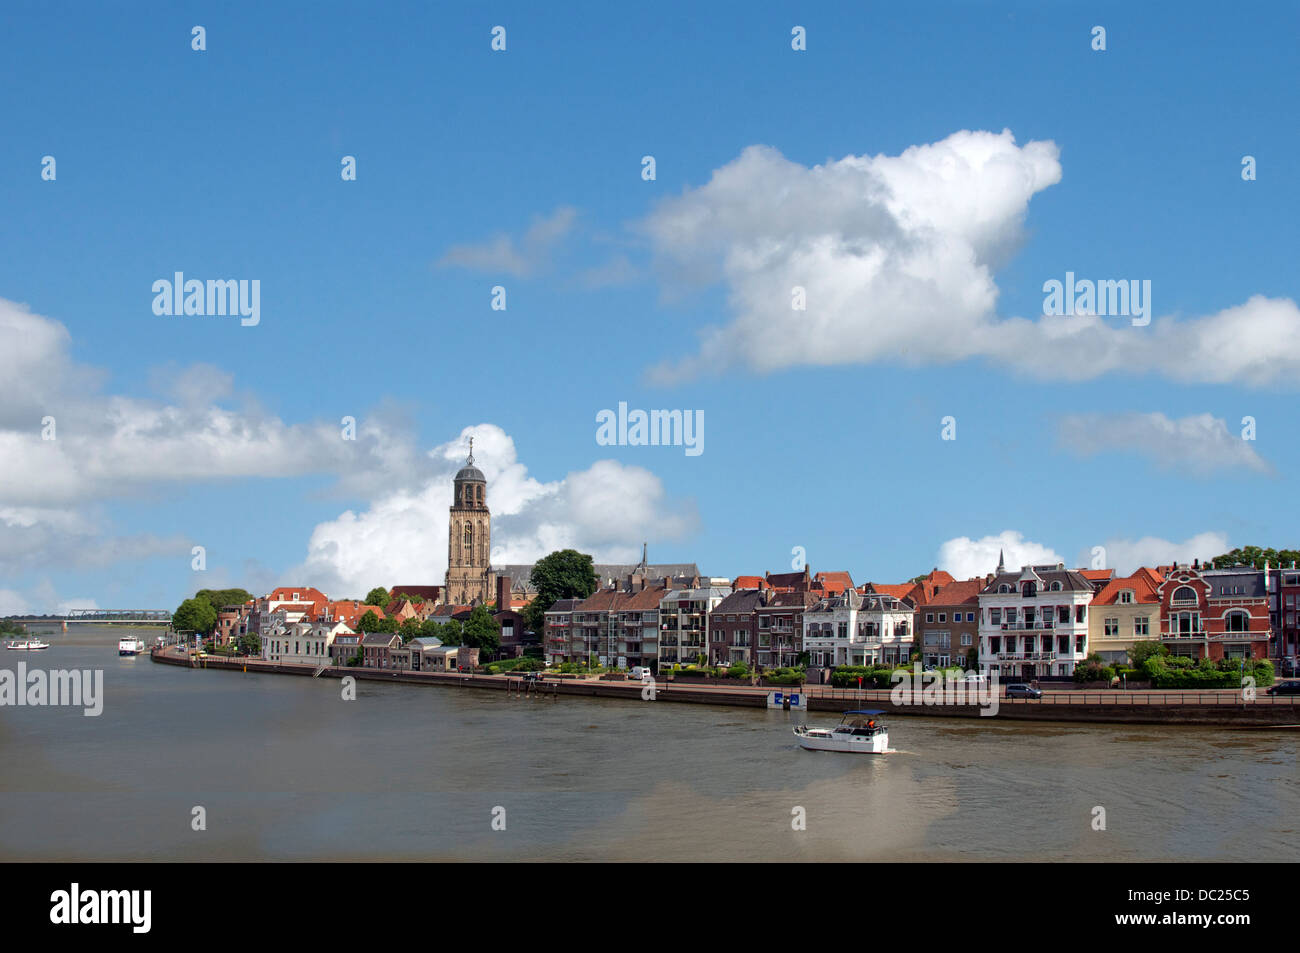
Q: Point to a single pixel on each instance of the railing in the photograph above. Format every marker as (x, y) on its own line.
(1227, 696)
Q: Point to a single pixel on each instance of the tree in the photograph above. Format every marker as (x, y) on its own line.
(1142, 651)
(482, 632)
(250, 644)
(378, 596)
(973, 658)
(194, 615)
(220, 598)
(564, 574)
(410, 629)
(369, 622)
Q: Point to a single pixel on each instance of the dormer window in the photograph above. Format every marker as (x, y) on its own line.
(1126, 596)
(1056, 586)
(1004, 588)
(1030, 589)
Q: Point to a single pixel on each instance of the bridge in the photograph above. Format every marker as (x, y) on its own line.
(99, 617)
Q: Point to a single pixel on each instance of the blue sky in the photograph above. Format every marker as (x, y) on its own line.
(226, 163)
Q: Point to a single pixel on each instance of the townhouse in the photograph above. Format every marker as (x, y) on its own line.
(1214, 613)
(1124, 612)
(1034, 622)
(619, 627)
(1283, 586)
(429, 654)
(858, 629)
(732, 630)
(947, 621)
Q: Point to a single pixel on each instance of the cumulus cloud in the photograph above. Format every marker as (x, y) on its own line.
(1201, 444)
(521, 258)
(897, 256)
(1127, 555)
(965, 557)
(607, 509)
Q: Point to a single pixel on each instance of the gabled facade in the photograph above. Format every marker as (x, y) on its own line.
(1034, 622)
(1215, 613)
(1284, 611)
(1124, 612)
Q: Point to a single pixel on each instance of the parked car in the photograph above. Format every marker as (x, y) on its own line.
(1285, 688)
(640, 672)
(1021, 690)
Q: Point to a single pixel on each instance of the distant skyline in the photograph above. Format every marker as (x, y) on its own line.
(844, 257)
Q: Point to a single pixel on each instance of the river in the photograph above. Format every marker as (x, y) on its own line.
(285, 769)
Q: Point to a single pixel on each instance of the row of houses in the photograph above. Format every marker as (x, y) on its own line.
(1035, 621)
(301, 625)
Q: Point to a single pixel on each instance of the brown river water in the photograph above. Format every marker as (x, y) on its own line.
(285, 769)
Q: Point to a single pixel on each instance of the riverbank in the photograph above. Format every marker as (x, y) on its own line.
(1222, 709)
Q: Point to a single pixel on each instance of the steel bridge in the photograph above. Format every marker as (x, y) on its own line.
(102, 617)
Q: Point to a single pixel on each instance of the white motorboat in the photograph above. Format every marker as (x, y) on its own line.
(131, 646)
(30, 645)
(858, 733)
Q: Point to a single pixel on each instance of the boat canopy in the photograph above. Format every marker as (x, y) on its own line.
(874, 711)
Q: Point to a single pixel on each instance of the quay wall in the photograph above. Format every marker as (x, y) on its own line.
(1240, 715)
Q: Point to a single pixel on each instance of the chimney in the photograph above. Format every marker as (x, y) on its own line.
(503, 593)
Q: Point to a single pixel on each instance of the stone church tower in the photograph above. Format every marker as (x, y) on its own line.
(469, 576)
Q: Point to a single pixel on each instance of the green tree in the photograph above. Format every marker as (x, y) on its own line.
(564, 574)
(220, 598)
(1141, 651)
(482, 632)
(250, 644)
(194, 615)
(369, 622)
(410, 629)
(377, 596)
(973, 658)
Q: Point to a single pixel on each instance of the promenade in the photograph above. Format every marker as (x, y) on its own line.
(1225, 708)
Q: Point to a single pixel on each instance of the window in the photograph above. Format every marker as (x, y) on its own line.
(965, 639)
(1112, 628)
(1063, 615)
(1080, 613)
(1142, 625)
(1184, 594)
(970, 617)
(1237, 621)
(1056, 586)
(995, 616)
(1126, 596)
(943, 617)
(929, 617)
(1004, 588)
(1030, 590)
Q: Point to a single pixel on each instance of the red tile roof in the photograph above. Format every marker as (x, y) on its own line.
(750, 582)
(1143, 583)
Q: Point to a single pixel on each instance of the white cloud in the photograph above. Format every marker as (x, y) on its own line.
(1200, 443)
(897, 255)
(607, 509)
(965, 557)
(1127, 555)
(523, 258)
(13, 602)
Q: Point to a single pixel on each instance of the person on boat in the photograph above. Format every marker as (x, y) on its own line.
(871, 723)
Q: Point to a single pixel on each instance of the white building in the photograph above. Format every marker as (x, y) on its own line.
(302, 642)
(1034, 622)
(857, 629)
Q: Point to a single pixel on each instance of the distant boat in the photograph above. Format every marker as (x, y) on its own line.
(130, 646)
(30, 645)
(858, 733)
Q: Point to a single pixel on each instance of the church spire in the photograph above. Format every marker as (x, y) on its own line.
(470, 461)
(1002, 562)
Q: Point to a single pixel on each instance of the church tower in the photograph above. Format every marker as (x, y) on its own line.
(469, 540)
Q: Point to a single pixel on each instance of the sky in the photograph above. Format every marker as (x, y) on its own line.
(915, 177)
